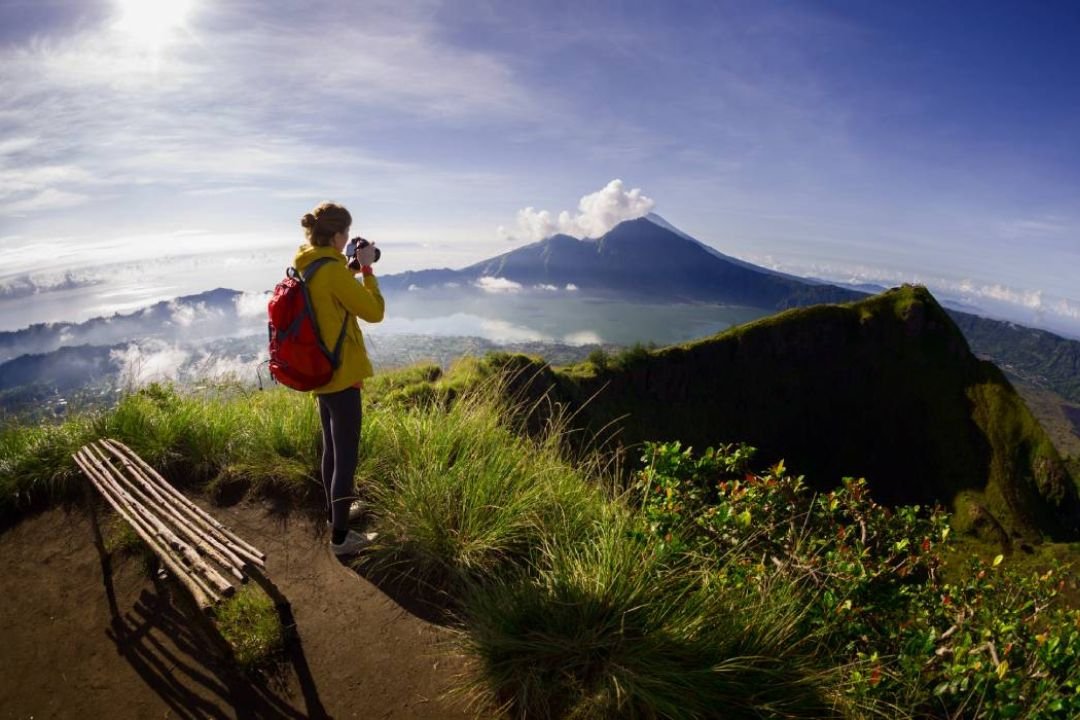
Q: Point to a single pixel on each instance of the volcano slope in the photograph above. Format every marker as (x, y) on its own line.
(884, 388)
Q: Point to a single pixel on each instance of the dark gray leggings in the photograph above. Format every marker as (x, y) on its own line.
(341, 414)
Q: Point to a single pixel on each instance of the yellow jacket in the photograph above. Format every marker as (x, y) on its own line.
(334, 291)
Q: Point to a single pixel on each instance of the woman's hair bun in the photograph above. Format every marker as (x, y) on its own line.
(308, 221)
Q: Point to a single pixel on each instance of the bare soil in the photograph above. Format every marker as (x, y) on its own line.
(73, 644)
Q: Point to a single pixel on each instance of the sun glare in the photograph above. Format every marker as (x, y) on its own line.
(152, 22)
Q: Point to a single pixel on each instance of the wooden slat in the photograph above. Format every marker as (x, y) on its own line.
(203, 597)
(186, 553)
(204, 519)
(151, 498)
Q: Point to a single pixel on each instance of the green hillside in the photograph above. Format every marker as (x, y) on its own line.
(884, 388)
(1036, 356)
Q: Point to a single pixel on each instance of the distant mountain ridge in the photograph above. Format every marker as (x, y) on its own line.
(210, 314)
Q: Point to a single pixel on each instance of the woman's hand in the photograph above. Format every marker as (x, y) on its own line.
(366, 255)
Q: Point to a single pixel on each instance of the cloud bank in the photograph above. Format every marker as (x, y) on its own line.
(142, 363)
(491, 284)
(597, 213)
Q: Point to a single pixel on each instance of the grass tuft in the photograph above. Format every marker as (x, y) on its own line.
(459, 496)
(249, 622)
(619, 628)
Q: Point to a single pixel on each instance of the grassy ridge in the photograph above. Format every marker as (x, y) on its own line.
(884, 388)
(1038, 356)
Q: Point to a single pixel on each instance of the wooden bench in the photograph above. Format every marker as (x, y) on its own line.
(207, 558)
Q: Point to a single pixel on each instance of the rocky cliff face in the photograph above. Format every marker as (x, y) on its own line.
(885, 388)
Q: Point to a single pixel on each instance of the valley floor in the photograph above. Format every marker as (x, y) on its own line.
(64, 654)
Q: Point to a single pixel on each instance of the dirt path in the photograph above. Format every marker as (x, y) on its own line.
(62, 654)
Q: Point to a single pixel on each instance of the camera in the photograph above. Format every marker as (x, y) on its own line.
(355, 244)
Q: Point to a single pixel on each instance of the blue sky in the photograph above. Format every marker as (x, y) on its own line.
(887, 142)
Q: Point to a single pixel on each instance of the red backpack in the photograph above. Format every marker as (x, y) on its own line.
(298, 356)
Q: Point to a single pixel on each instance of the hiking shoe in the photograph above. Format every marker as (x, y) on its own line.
(356, 511)
(354, 543)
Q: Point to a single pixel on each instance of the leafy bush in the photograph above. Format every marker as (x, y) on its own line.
(995, 643)
(599, 359)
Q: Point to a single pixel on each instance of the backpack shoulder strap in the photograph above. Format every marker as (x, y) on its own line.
(308, 272)
(306, 275)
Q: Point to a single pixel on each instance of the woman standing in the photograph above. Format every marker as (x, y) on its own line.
(336, 298)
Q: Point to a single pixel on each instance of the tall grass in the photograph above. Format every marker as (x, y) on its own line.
(619, 628)
(460, 497)
(36, 466)
(264, 440)
(267, 441)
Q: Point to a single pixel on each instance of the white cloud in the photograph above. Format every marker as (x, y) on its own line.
(606, 208)
(46, 281)
(571, 287)
(35, 178)
(548, 288)
(252, 304)
(224, 367)
(413, 287)
(1026, 298)
(597, 213)
(160, 361)
(16, 145)
(186, 315)
(156, 362)
(182, 315)
(1025, 228)
(491, 284)
(97, 99)
(1035, 300)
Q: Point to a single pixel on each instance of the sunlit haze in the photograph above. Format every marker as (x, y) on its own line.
(152, 149)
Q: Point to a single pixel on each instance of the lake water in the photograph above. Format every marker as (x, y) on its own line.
(557, 317)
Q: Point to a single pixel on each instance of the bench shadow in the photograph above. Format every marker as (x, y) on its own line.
(180, 655)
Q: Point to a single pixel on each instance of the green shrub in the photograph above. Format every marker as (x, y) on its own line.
(599, 359)
(633, 355)
(992, 643)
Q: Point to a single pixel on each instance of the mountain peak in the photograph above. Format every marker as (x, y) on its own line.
(645, 257)
(661, 222)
